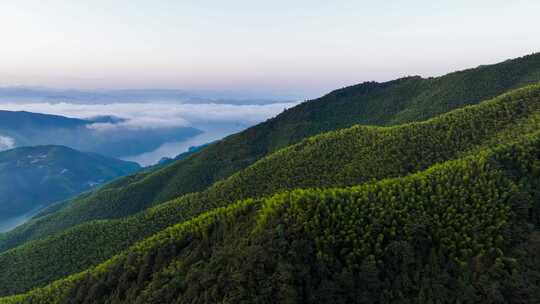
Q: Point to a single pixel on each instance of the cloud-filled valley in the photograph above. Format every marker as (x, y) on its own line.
(6, 143)
(156, 115)
(142, 132)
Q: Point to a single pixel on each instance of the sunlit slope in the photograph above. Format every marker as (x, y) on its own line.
(459, 232)
(335, 159)
(403, 100)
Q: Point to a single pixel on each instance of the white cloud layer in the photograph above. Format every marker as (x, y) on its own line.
(158, 115)
(6, 143)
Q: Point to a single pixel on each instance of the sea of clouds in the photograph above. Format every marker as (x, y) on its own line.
(215, 120)
(156, 115)
(6, 143)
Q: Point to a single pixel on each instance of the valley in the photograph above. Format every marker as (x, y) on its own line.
(261, 152)
(342, 197)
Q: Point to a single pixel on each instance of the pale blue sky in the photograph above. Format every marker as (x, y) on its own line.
(294, 46)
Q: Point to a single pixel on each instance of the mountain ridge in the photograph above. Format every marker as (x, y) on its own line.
(340, 158)
(304, 236)
(281, 154)
(368, 103)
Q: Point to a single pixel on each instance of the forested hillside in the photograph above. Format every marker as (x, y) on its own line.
(33, 177)
(336, 159)
(460, 232)
(403, 100)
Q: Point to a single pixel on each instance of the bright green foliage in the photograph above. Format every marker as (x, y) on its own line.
(336, 159)
(404, 100)
(458, 232)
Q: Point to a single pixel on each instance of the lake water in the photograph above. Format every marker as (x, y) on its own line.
(172, 149)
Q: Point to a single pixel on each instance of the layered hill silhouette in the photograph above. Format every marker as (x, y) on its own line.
(459, 212)
(21, 128)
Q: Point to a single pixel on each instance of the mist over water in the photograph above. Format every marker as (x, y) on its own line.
(157, 115)
(214, 120)
(6, 143)
(172, 149)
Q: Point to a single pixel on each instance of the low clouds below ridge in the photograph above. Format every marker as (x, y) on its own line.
(6, 143)
(144, 115)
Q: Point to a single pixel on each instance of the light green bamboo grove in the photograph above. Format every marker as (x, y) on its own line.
(337, 159)
(455, 223)
(395, 102)
(446, 235)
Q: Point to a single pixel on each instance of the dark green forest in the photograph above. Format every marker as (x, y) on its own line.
(389, 103)
(463, 231)
(411, 191)
(340, 158)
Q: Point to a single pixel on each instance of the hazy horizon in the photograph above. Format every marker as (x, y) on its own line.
(299, 49)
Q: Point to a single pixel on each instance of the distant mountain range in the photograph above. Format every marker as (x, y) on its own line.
(31, 129)
(31, 94)
(34, 177)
